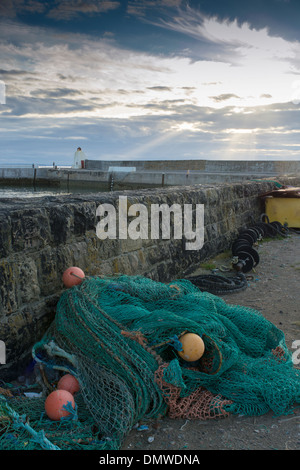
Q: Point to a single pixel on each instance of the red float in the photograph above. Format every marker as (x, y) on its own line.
(54, 404)
(73, 276)
(69, 383)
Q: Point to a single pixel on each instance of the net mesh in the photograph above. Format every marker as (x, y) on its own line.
(120, 337)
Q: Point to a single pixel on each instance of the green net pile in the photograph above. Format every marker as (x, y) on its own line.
(120, 337)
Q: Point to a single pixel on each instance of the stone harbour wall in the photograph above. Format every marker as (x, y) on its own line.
(103, 175)
(41, 237)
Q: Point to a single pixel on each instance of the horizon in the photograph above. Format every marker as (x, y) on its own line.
(149, 80)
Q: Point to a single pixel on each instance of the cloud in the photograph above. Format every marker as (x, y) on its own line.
(242, 40)
(266, 95)
(74, 75)
(211, 83)
(193, 22)
(11, 8)
(224, 97)
(142, 8)
(69, 9)
(58, 10)
(99, 70)
(122, 102)
(75, 66)
(159, 88)
(57, 93)
(251, 61)
(188, 132)
(14, 73)
(39, 106)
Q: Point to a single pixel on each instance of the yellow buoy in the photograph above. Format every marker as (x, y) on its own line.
(192, 347)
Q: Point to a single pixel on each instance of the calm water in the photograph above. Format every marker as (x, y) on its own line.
(21, 192)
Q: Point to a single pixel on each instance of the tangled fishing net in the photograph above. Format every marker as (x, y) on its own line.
(120, 337)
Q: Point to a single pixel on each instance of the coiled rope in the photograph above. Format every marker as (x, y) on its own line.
(219, 285)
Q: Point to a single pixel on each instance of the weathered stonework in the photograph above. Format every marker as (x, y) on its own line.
(41, 237)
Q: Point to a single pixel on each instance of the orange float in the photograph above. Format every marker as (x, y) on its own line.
(69, 383)
(192, 347)
(73, 276)
(54, 404)
(177, 291)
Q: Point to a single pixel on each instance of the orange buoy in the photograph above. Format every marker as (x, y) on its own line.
(69, 383)
(54, 404)
(192, 347)
(73, 276)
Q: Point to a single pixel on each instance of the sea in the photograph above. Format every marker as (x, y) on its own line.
(29, 192)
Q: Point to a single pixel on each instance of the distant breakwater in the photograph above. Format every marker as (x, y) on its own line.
(104, 175)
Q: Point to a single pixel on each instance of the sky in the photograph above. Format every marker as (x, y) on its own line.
(149, 80)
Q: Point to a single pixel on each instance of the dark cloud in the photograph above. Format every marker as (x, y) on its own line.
(58, 10)
(57, 93)
(24, 106)
(161, 106)
(144, 8)
(13, 73)
(69, 9)
(159, 88)
(224, 97)
(121, 91)
(11, 8)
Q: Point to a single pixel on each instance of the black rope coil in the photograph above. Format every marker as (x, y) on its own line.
(219, 285)
(245, 258)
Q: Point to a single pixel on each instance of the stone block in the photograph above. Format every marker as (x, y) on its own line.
(5, 236)
(8, 286)
(84, 218)
(28, 281)
(29, 229)
(47, 271)
(61, 223)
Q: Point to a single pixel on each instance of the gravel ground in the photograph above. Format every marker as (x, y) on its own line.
(273, 289)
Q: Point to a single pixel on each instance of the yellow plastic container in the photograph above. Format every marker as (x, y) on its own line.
(283, 210)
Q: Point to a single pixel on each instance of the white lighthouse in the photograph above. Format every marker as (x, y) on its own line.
(79, 156)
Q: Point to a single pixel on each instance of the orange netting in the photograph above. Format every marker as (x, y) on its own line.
(200, 404)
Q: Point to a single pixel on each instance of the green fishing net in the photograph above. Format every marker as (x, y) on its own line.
(120, 336)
